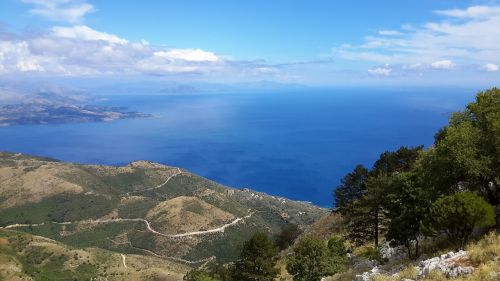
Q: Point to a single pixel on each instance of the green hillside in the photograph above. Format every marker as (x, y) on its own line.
(143, 208)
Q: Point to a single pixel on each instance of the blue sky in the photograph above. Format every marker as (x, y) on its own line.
(424, 42)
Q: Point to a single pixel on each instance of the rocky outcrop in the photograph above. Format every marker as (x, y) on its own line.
(451, 265)
(390, 253)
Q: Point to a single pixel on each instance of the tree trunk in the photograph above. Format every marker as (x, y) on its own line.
(416, 248)
(408, 248)
(376, 227)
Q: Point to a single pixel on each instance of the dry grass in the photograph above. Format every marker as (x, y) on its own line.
(484, 255)
(139, 268)
(485, 272)
(369, 252)
(185, 213)
(327, 226)
(21, 185)
(487, 249)
(408, 272)
(348, 275)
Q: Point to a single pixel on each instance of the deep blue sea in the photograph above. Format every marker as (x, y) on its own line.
(296, 144)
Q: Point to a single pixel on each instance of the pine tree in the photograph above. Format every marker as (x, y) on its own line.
(257, 260)
(408, 202)
(352, 187)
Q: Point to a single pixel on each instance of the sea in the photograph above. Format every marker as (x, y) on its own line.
(292, 143)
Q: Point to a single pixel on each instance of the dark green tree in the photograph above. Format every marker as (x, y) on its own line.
(257, 261)
(401, 160)
(362, 196)
(408, 203)
(375, 204)
(313, 259)
(467, 151)
(358, 224)
(287, 235)
(459, 215)
(351, 188)
(350, 204)
(389, 164)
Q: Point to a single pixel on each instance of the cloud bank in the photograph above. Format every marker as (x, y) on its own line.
(80, 50)
(461, 43)
(463, 37)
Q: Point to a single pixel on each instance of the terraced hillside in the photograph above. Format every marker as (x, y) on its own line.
(143, 208)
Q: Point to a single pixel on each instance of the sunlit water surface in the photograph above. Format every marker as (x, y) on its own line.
(294, 144)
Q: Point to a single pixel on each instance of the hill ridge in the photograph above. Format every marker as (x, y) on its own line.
(143, 206)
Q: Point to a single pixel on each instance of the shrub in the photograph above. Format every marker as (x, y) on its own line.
(459, 215)
(313, 259)
(369, 253)
(337, 247)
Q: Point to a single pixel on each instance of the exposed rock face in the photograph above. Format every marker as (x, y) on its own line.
(392, 253)
(450, 264)
(366, 276)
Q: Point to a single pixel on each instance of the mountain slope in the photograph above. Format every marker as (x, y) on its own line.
(143, 208)
(29, 257)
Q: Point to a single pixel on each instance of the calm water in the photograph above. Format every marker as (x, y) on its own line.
(294, 144)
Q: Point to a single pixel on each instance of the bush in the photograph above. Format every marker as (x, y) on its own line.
(369, 253)
(313, 259)
(459, 215)
(337, 247)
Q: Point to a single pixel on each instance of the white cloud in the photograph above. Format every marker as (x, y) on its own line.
(468, 36)
(414, 66)
(188, 55)
(443, 64)
(389, 32)
(16, 57)
(490, 67)
(381, 71)
(60, 10)
(80, 50)
(471, 12)
(86, 33)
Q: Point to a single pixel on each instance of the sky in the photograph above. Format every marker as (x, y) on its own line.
(314, 42)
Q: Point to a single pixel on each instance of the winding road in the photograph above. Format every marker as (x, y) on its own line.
(124, 260)
(179, 172)
(220, 229)
(146, 222)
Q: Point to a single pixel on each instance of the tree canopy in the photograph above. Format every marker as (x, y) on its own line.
(313, 259)
(458, 215)
(257, 260)
(413, 185)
